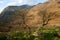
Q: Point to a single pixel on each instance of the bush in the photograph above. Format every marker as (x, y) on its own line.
(3, 37)
(17, 36)
(21, 36)
(48, 35)
(44, 35)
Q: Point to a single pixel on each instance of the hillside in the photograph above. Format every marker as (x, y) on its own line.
(12, 16)
(27, 22)
(18, 17)
(50, 7)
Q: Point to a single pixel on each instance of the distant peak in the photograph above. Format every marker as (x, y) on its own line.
(18, 6)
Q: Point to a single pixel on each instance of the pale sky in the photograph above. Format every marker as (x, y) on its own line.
(5, 3)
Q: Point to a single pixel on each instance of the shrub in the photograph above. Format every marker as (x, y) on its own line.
(3, 37)
(44, 35)
(48, 35)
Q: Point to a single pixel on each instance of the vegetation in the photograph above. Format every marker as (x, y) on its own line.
(41, 33)
(44, 35)
(14, 24)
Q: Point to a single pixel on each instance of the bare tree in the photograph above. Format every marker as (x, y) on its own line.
(46, 17)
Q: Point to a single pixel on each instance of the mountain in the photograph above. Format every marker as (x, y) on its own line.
(20, 17)
(48, 7)
(11, 11)
(9, 8)
(12, 16)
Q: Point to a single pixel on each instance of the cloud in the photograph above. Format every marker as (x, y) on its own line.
(1, 1)
(17, 2)
(30, 2)
(12, 3)
(1, 9)
(20, 1)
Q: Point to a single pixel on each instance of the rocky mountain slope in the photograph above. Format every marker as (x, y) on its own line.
(13, 16)
(18, 16)
(50, 7)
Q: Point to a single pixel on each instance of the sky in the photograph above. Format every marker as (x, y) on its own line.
(5, 3)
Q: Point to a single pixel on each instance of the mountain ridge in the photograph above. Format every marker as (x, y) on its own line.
(28, 15)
